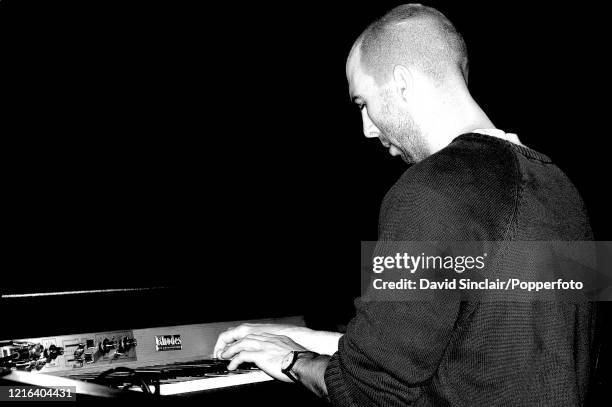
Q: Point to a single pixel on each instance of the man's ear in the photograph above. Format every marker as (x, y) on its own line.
(403, 81)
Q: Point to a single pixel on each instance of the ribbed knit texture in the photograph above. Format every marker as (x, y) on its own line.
(453, 353)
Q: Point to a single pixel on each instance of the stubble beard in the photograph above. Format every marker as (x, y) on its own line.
(399, 126)
(402, 130)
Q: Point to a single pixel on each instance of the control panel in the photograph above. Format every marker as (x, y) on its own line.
(68, 352)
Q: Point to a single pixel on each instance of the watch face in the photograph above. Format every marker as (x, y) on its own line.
(287, 361)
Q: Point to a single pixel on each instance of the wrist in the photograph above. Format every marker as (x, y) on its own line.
(292, 365)
(303, 364)
(309, 370)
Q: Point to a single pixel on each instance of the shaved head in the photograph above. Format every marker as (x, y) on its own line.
(414, 36)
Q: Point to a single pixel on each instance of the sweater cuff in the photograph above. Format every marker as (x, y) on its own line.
(337, 389)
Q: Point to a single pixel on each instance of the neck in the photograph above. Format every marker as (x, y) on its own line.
(454, 112)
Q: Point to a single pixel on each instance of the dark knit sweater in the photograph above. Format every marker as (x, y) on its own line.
(479, 188)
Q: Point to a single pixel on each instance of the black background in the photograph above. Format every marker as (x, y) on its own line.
(214, 150)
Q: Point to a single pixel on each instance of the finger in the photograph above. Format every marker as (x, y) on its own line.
(261, 339)
(219, 345)
(258, 336)
(240, 346)
(269, 335)
(229, 336)
(271, 338)
(275, 338)
(244, 356)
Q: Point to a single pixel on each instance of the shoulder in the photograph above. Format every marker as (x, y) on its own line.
(466, 191)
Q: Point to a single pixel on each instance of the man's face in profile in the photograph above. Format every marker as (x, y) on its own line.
(381, 115)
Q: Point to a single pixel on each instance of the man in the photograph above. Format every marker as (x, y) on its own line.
(470, 182)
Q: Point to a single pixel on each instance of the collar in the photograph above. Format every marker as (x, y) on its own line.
(511, 137)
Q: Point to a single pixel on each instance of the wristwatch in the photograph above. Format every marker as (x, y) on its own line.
(289, 361)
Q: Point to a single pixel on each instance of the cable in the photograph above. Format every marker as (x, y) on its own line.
(133, 374)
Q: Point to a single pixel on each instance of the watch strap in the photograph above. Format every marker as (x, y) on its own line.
(295, 355)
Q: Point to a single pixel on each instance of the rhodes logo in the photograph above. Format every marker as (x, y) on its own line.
(168, 342)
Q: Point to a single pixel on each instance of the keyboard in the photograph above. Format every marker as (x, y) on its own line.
(178, 378)
(169, 360)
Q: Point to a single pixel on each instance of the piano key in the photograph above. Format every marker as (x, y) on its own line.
(190, 385)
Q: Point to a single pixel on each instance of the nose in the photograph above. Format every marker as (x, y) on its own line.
(369, 129)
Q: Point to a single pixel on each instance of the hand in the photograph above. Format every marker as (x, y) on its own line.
(236, 333)
(266, 350)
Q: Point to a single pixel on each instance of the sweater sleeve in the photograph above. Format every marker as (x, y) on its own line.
(390, 350)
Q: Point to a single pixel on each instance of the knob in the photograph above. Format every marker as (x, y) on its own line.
(36, 351)
(88, 357)
(78, 352)
(106, 346)
(125, 344)
(53, 352)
